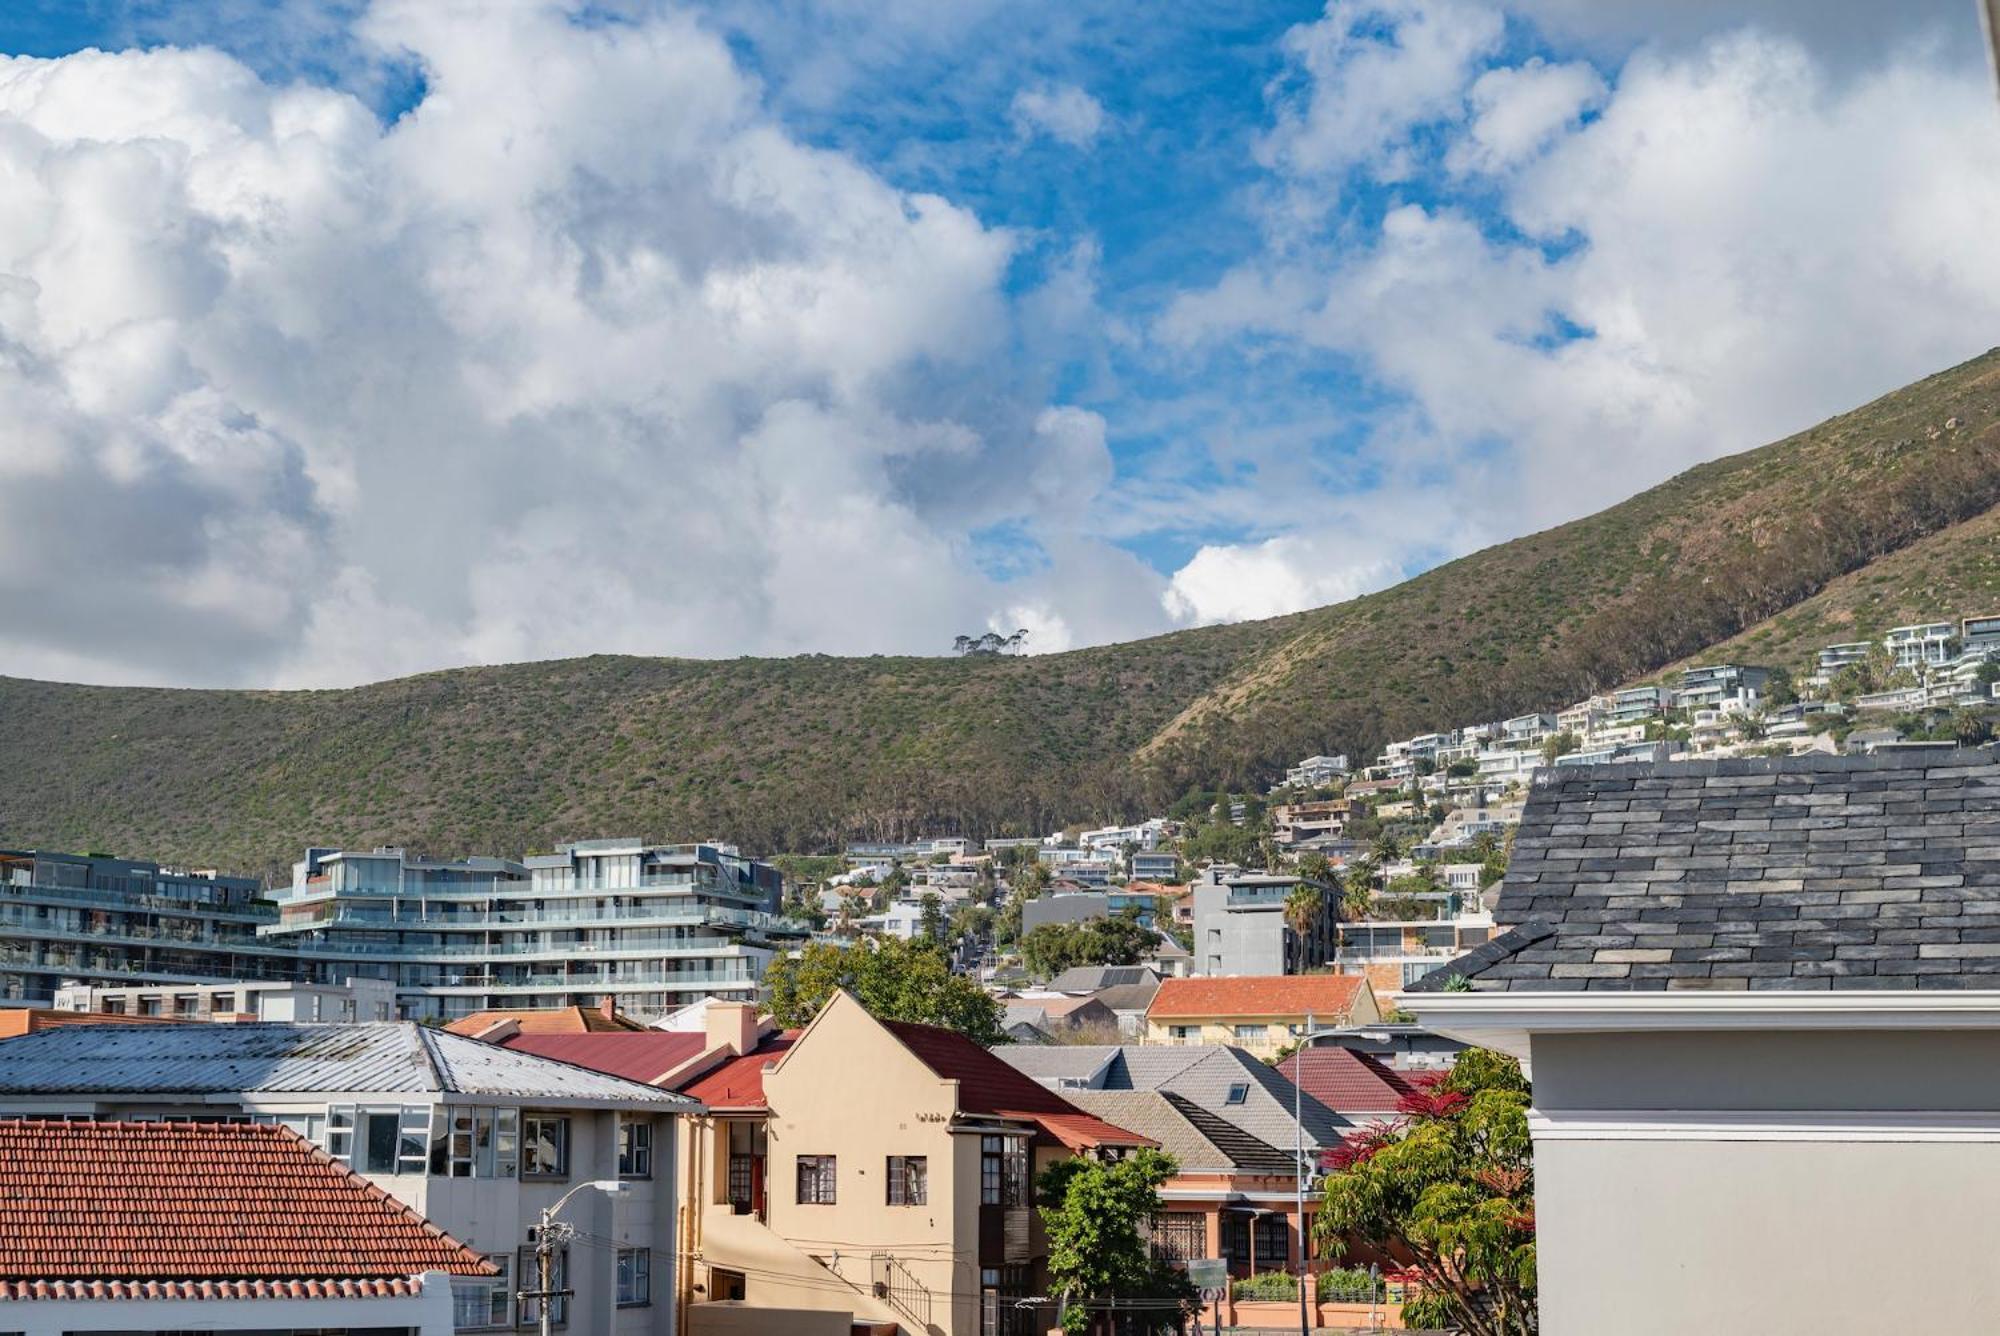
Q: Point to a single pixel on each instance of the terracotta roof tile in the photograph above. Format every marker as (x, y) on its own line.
(193, 1203)
(546, 1020)
(1345, 1081)
(1329, 997)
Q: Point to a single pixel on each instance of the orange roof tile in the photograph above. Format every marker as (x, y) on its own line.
(546, 1020)
(16, 1021)
(83, 1204)
(1327, 996)
(1345, 1081)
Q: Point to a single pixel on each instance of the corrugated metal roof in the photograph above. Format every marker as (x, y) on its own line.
(389, 1057)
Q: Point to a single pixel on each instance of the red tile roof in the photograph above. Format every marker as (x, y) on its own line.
(1346, 1081)
(199, 1202)
(739, 1082)
(987, 1085)
(644, 1055)
(546, 1020)
(1329, 997)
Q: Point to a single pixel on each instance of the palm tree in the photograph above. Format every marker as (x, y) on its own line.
(1386, 849)
(1302, 908)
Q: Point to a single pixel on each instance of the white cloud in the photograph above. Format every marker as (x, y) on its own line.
(1373, 71)
(1747, 245)
(1517, 110)
(583, 353)
(1227, 583)
(1063, 112)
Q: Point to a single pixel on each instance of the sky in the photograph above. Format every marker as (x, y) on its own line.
(350, 339)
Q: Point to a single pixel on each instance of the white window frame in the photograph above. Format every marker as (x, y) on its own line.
(635, 1148)
(635, 1278)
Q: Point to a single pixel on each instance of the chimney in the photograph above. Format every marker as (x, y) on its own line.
(607, 1009)
(733, 1024)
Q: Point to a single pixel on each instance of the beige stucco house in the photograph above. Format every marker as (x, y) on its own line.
(874, 1168)
(1760, 1004)
(1260, 1013)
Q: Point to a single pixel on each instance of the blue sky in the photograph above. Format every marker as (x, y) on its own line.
(406, 333)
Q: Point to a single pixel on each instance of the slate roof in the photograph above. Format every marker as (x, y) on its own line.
(385, 1057)
(1846, 872)
(89, 1202)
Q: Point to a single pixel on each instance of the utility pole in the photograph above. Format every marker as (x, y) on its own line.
(550, 1235)
(1299, 1165)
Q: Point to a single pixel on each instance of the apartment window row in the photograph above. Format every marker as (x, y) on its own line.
(456, 1141)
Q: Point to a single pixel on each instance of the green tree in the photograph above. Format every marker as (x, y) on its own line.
(1117, 940)
(1312, 863)
(1559, 744)
(1451, 1185)
(931, 922)
(895, 980)
(1098, 1215)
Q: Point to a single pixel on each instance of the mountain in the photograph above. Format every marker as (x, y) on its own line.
(1882, 515)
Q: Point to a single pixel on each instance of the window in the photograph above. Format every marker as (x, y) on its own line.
(635, 1277)
(635, 1150)
(389, 1140)
(909, 1183)
(1250, 1034)
(1238, 1093)
(816, 1180)
(1183, 1032)
(1003, 1171)
(476, 1143)
(1179, 1236)
(544, 1146)
(487, 1301)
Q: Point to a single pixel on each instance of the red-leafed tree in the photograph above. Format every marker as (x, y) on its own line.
(1450, 1184)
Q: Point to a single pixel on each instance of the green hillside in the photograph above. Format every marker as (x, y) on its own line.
(1882, 515)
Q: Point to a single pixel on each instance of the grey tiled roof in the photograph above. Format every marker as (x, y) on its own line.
(1203, 1074)
(1848, 872)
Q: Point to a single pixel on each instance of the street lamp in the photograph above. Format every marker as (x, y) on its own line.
(1299, 1154)
(547, 1236)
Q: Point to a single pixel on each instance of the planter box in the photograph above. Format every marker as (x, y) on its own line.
(1283, 1315)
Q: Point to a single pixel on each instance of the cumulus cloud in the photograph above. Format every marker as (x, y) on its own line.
(1063, 112)
(1734, 246)
(1370, 72)
(584, 352)
(1227, 583)
(1517, 110)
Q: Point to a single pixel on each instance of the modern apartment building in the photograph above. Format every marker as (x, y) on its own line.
(86, 918)
(1924, 645)
(1712, 685)
(1317, 771)
(651, 927)
(1240, 928)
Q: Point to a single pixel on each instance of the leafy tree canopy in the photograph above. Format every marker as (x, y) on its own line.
(1097, 1215)
(1055, 947)
(1450, 1184)
(895, 980)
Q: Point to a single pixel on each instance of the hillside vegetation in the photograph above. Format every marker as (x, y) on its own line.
(1882, 515)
